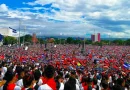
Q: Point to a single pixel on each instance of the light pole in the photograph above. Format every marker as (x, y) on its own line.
(109, 40)
(109, 37)
(51, 51)
(60, 37)
(84, 43)
(64, 39)
(40, 39)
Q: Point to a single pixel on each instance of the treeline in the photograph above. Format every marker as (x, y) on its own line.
(28, 39)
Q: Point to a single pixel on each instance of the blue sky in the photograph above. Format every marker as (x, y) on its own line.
(68, 17)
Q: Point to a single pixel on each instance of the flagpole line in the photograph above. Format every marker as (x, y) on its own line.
(19, 38)
(19, 31)
(24, 35)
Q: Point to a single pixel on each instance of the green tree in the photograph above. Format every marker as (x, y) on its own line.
(119, 42)
(57, 41)
(77, 41)
(63, 41)
(9, 40)
(97, 43)
(26, 38)
(127, 42)
(105, 42)
(41, 41)
(70, 40)
(88, 42)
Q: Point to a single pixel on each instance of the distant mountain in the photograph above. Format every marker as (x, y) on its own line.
(111, 39)
(65, 37)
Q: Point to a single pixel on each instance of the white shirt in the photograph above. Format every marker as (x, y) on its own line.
(20, 83)
(17, 88)
(77, 87)
(99, 82)
(77, 82)
(4, 70)
(2, 75)
(14, 68)
(45, 87)
(61, 86)
(40, 82)
(110, 79)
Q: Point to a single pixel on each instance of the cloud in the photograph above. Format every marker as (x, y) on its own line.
(41, 2)
(3, 8)
(94, 8)
(17, 14)
(70, 17)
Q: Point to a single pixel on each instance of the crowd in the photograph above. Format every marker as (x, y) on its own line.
(64, 67)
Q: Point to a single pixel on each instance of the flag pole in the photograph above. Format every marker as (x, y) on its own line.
(19, 31)
(19, 38)
(24, 35)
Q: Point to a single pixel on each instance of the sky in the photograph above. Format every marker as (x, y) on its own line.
(78, 18)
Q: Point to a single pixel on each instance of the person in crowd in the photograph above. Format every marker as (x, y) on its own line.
(4, 68)
(89, 81)
(71, 84)
(84, 83)
(49, 82)
(65, 68)
(1, 73)
(28, 82)
(38, 80)
(20, 75)
(73, 75)
(117, 87)
(59, 82)
(121, 83)
(10, 78)
(95, 84)
(66, 78)
(105, 85)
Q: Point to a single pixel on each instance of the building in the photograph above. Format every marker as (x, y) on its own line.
(96, 37)
(93, 37)
(99, 37)
(34, 38)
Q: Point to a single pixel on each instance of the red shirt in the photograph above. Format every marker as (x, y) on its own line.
(85, 86)
(11, 86)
